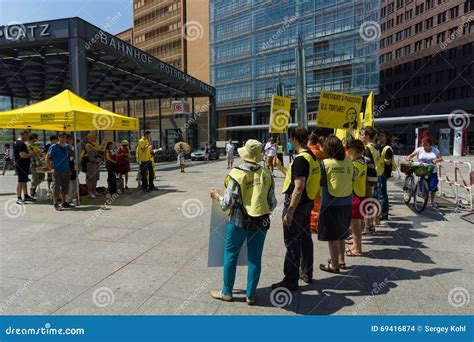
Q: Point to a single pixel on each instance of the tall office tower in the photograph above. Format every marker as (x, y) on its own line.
(426, 61)
(253, 50)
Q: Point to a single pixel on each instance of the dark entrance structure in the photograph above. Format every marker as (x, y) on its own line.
(38, 60)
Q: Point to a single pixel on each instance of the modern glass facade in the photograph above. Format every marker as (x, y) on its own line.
(253, 47)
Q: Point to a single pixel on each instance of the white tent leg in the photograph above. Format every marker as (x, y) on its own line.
(76, 163)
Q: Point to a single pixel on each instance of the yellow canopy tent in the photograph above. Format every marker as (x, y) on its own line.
(66, 112)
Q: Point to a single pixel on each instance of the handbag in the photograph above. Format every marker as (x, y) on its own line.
(254, 223)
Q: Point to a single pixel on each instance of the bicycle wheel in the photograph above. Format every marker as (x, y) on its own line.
(408, 188)
(421, 195)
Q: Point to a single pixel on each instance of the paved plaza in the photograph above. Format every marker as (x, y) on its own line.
(146, 254)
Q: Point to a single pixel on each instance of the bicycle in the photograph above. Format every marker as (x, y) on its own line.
(420, 191)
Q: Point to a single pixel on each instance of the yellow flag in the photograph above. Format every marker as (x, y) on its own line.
(369, 111)
(280, 114)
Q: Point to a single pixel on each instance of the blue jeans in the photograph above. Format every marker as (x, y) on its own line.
(235, 237)
(380, 193)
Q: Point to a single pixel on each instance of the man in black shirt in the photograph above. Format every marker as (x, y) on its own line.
(297, 215)
(386, 151)
(22, 165)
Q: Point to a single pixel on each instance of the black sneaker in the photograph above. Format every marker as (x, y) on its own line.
(58, 207)
(20, 201)
(67, 205)
(30, 199)
(286, 285)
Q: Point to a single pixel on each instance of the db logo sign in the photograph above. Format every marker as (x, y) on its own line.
(180, 107)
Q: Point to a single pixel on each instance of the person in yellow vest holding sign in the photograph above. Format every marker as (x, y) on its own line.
(335, 212)
(250, 196)
(301, 185)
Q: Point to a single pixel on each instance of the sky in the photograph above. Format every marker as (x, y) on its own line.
(118, 13)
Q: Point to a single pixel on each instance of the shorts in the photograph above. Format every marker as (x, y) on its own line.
(22, 174)
(433, 182)
(230, 157)
(92, 174)
(61, 183)
(357, 210)
(36, 177)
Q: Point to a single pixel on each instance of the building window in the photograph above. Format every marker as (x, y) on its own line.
(441, 18)
(418, 46)
(429, 23)
(454, 12)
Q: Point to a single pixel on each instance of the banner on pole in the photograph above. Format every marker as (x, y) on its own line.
(280, 114)
(338, 110)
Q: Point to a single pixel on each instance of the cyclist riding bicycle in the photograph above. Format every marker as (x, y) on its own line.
(429, 154)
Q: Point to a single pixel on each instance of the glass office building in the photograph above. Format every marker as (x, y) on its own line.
(253, 49)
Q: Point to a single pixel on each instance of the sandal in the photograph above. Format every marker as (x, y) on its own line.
(341, 266)
(327, 268)
(350, 253)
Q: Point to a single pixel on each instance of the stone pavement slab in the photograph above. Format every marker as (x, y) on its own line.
(146, 254)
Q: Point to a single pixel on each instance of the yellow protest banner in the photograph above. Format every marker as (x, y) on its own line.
(338, 110)
(280, 114)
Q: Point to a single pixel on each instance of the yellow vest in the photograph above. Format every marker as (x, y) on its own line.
(143, 156)
(359, 183)
(339, 174)
(384, 152)
(378, 160)
(254, 189)
(312, 181)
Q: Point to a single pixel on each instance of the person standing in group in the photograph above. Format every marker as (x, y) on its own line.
(371, 154)
(385, 140)
(279, 153)
(146, 166)
(429, 154)
(37, 155)
(112, 167)
(313, 145)
(7, 158)
(356, 149)
(73, 184)
(301, 185)
(270, 153)
(22, 166)
(230, 149)
(291, 151)
(53, 139)
(181, 158)
(123, 161)
(57, 160)
(206, 154)
(94, 153)
(250, 196)
(337, 173)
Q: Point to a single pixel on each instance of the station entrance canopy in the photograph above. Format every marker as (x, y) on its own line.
(41, 59)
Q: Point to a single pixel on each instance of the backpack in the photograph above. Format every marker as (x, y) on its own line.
(84, 160)
(378, 159)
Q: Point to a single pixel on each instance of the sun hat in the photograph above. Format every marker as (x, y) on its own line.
(124, 143)
(251, 151)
